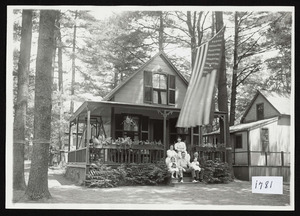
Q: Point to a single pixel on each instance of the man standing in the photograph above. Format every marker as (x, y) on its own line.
(184, 165)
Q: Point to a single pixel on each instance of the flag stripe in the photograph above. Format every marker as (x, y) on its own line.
(196, 106)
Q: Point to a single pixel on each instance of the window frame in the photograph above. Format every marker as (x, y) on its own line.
(235, 141)
(265, 145)
(260, 115)
(151, 88)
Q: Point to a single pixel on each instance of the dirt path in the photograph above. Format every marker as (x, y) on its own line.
(235, 193)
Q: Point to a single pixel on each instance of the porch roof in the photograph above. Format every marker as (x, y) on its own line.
(247, 126)
(93, 105)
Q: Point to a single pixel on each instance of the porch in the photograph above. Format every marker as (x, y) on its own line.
(114, 133)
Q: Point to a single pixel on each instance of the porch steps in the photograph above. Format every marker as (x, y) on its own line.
(186, 180)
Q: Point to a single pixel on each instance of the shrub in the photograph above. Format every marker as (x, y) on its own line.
(129, 174)
(216, 172)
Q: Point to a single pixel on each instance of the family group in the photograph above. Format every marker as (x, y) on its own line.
(179, 162)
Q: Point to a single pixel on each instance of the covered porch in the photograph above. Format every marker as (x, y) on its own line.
(131, 133)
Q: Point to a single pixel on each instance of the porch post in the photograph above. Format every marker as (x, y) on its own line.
(112, 123)
(192, 139)
(165, 133)
(77, 128)
(88, 135)
(70, 125)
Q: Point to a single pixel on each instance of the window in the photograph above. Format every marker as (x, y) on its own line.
(238, 141)
(264, 137)
(260, 111)
(159, 88)
(133, 126)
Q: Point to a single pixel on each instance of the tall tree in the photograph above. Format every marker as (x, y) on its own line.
(279, 36)
(21, 103)
(73, 63)
(222, 95)
(38, 177)
(234, 74)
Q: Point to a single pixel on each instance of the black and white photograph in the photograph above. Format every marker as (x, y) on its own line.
(150, 107)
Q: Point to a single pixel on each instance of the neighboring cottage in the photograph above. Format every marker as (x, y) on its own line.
(261, 143)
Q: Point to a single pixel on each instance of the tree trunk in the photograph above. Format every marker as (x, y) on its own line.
(60, 81)
(21, 103)
(38, 177)
(161, 31)
(191, 27)
(73, 64)
(234, 74)
(222, 96)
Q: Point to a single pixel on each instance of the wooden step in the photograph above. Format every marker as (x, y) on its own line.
(185, 180)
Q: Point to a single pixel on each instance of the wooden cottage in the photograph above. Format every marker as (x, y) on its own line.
(261, 142)
(134, 123)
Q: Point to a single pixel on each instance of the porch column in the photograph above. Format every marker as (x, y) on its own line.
(165, 114)
(165, 133)
(88, 135)
(77, 128)
(70, 125)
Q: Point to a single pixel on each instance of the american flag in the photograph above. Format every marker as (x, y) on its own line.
(196, 108)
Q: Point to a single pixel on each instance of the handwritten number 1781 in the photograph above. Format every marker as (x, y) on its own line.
(260, 184)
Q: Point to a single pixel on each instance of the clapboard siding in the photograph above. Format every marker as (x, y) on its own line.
(133, 90)
(240, 154)
(279, 140)
(269, 110)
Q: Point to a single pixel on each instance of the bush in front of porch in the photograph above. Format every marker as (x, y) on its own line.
(128, 174)
(216, 172)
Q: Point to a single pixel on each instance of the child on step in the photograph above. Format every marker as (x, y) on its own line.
(173, 167)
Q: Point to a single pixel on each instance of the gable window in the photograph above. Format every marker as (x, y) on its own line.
(159, 88)
(264, 138)
(238, 141)
(260, 111)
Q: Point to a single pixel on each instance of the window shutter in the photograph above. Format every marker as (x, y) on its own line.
(148, 89)
(172, 89)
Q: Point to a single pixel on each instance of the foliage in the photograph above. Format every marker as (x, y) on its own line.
(129, 174)
(216, 172)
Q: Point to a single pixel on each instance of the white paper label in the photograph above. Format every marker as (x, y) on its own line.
(267, 184)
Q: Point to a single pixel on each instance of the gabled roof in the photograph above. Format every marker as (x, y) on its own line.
(247, 126)
(164, 57)
(279, 101)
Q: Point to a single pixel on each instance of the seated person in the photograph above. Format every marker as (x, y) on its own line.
(184, 165)
(181, 147)
(170, 153)
(195, 165)
(173, 168)
(196, 159)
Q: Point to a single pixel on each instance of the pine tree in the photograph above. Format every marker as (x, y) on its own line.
(21, 102)
(38, 177)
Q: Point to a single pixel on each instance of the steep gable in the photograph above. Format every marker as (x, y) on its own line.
(132, 89)
(273, 104)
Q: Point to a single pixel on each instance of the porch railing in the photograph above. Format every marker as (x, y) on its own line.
(261, 158)
(114, 154)
(78, 155)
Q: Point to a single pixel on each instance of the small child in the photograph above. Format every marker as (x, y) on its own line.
(173, 168)
(195, 165)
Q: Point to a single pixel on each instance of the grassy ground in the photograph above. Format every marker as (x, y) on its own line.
(234, 193)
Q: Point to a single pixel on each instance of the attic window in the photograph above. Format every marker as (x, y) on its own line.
(159, 88)
(260, 111)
